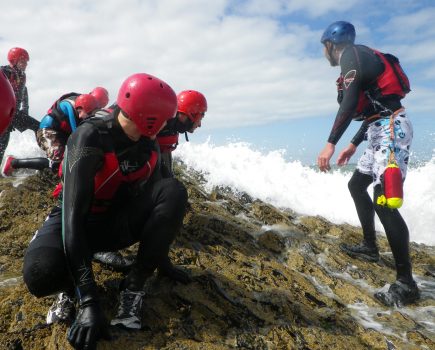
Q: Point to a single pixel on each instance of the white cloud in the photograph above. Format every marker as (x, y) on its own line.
(252, 67)
(284, 7)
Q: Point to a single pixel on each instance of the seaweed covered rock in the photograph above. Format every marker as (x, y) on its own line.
(262, 278)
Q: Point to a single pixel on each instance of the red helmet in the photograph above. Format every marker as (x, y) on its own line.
(17, 53)
(7, 102)
(192, 103)
(101, 95)
(147, 101)
(87, 102)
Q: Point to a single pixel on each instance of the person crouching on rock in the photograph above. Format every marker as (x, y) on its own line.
(61, 120)
(113, 196)
(192, 106)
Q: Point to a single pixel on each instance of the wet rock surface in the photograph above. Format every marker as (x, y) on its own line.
(262, 278)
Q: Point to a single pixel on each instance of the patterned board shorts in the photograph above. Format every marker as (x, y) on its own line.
(52, 142)
(375, 158)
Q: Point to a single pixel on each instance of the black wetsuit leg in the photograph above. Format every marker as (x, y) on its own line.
(395, 227)
(358, 185)
(398, 238)
(45, 270)
(164, 209)
(31, 163)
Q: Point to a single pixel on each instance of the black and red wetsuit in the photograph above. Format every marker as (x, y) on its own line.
(113, 196)
(372, 89)
(362, 71)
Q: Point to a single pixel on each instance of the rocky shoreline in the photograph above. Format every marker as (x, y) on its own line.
(262, 278)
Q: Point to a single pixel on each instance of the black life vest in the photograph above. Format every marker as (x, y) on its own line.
(56, 112)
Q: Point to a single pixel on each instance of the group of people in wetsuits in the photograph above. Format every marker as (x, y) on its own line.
(117, 186)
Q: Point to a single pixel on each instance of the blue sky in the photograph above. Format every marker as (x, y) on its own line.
(259, 63)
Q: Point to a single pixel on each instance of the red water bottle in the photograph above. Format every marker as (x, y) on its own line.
(393, 187)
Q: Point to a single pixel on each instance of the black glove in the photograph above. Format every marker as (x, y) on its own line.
(89, 326)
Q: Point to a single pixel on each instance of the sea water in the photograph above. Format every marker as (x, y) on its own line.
(271, 177)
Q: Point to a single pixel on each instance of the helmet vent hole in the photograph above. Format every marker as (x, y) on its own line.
(161, 85)
(149, 78)
(127, 95)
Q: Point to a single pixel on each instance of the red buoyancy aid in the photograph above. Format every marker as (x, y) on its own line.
(167, 143)
(392, 81)
(109, 178)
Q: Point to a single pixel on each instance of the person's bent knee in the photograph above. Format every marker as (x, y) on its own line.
(44, 271)
(174, 190)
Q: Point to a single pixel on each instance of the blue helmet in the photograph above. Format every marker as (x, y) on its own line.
(340, 32)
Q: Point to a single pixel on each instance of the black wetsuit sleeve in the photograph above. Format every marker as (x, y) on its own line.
(360, 134)
(25, 101)
(352, 74)
(83, 158)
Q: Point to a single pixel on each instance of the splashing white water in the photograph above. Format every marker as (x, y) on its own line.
(288, 184)
(23, 145)
(271, 178)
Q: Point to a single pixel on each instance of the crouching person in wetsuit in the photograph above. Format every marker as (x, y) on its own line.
(113, 197)
(371, 86)
(61, 120)
(192, 106)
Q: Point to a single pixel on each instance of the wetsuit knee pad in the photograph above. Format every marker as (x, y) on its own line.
(45, 271)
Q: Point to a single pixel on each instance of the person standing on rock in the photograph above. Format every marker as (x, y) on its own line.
(192, 106)
(16, 74)
(113, 196)
(371, 86)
